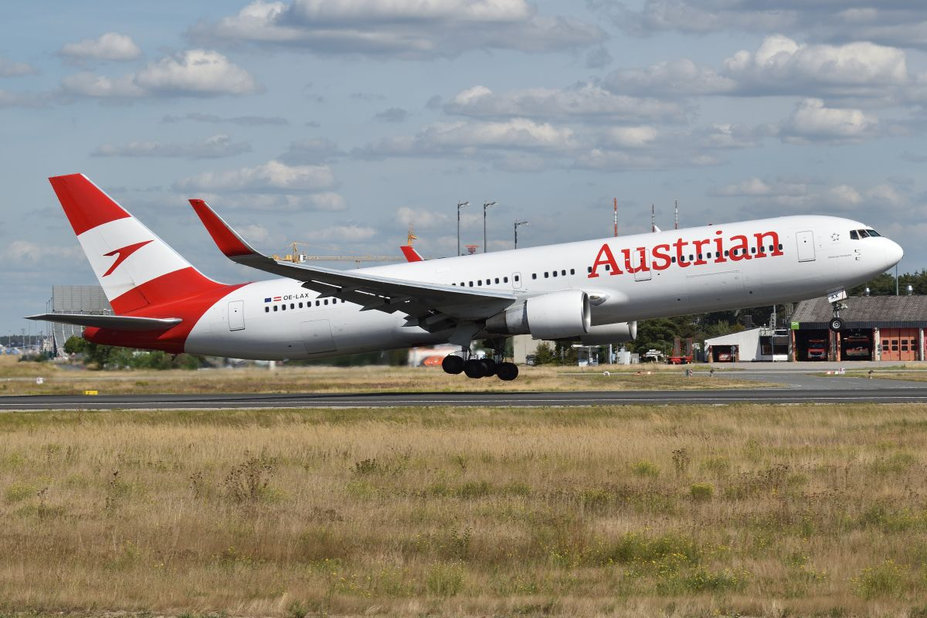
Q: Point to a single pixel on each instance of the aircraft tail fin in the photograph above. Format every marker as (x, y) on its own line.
(133, 265)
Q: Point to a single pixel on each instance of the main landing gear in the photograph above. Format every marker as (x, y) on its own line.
(836, 301)
(479, 367)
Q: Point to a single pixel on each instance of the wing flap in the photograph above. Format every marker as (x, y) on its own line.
(114, 322)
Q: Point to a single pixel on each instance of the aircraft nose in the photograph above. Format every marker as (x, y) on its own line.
(893, 252)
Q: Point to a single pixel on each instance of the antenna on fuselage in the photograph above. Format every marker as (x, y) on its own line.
(675, 214)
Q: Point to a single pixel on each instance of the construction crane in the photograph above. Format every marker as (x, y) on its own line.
(298, 258)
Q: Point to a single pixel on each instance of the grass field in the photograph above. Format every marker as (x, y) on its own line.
(679, 511)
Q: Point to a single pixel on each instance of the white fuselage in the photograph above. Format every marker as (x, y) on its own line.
(628, 278)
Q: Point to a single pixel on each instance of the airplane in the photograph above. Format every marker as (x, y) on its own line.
(593, 291)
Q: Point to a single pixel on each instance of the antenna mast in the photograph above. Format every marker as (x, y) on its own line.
(676, 214)
(616, 216)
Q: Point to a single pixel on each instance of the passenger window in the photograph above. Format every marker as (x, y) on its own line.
(275, 307)
(534, 275)
(572, 271)
(266, 309)
(554, 273)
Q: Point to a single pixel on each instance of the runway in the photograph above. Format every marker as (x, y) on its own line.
(785, 384)
(468, 399)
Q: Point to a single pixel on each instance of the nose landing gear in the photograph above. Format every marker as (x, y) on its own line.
(836, 301)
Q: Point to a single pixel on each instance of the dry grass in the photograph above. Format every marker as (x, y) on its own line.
(19, 379)
(681, 511)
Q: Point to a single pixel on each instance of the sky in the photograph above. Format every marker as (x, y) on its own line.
(337, 124)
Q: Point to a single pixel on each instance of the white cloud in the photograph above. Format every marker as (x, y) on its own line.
(897, 23)
(194, 72)
(270, 201)
(109, 46)
(587, 101)
(211, 147)
(422, 219)
(98, 86)
(812, 121)
(410, 10)
(677, 77)
(805, 195)
(465, 138)
(26, 252)
(399, 28)
(631, 137)
(751, 187)
(781, 64)
(9, 68)
(270, 176)
(344, 233)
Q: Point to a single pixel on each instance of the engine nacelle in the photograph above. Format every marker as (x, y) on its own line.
(559, 315)
(603, 334)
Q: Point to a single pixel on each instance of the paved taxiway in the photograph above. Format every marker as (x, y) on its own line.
(775, 384)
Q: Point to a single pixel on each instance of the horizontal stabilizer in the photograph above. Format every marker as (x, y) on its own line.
(114, 322)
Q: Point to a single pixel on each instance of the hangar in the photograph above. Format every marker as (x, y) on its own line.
(875, 328)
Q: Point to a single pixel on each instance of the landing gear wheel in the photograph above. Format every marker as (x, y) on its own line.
(836, 325)
(489, 367)
(507, 371)
(452, 364)
(475, 368)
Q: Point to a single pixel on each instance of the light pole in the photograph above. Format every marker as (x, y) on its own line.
(517, 223)
(459, 206)
(485, 206)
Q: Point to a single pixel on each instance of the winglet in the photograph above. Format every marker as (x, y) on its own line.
(228, 241)
(411, 254)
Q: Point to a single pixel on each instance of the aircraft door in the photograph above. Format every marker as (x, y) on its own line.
(317, 336)
(237, 315)
(643, 275)
(805, 241)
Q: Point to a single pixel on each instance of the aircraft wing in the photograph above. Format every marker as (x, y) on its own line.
(431, 306)
(116, 322)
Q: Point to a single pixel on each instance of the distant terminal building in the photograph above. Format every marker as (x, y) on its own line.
(875, 328)
(74, 299)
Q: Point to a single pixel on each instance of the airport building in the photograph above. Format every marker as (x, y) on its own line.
(875, 328)
(73, 299)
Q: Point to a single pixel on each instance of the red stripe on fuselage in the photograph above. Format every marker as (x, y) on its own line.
(85, 205)
(184, 294)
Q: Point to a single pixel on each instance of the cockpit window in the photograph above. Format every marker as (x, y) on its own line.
(857, 234)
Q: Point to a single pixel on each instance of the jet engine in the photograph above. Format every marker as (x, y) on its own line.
(602, 334)
(558, 315)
